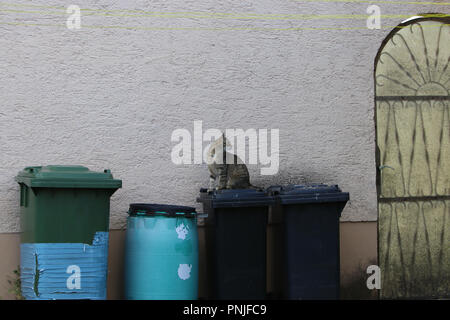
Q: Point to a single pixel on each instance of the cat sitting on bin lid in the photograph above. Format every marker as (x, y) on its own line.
(227, 175)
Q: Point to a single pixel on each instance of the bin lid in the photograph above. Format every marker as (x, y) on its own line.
(314, 193)
(155, 209)
(227, 198)
(67, 177)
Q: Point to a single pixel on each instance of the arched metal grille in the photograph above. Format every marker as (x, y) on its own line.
(412, 83)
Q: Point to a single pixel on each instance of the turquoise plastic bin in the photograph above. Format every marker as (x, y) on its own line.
(161, 253)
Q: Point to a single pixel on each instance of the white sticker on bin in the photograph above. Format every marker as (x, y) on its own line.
(182, 231)
(184, 271)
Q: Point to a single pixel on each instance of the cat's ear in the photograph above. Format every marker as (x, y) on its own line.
(227, 142)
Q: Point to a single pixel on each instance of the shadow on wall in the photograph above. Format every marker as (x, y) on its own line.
(354, 286)
(289, 176)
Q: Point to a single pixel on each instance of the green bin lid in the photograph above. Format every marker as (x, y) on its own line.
(67, 177)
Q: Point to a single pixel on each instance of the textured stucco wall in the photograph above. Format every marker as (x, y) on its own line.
(111, 97)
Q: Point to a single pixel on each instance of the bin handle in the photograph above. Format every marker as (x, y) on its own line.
(275, 190)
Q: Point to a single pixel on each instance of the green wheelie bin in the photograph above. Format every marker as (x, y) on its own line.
(65, 222)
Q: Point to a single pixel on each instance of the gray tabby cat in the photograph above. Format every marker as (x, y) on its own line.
(229, 175)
